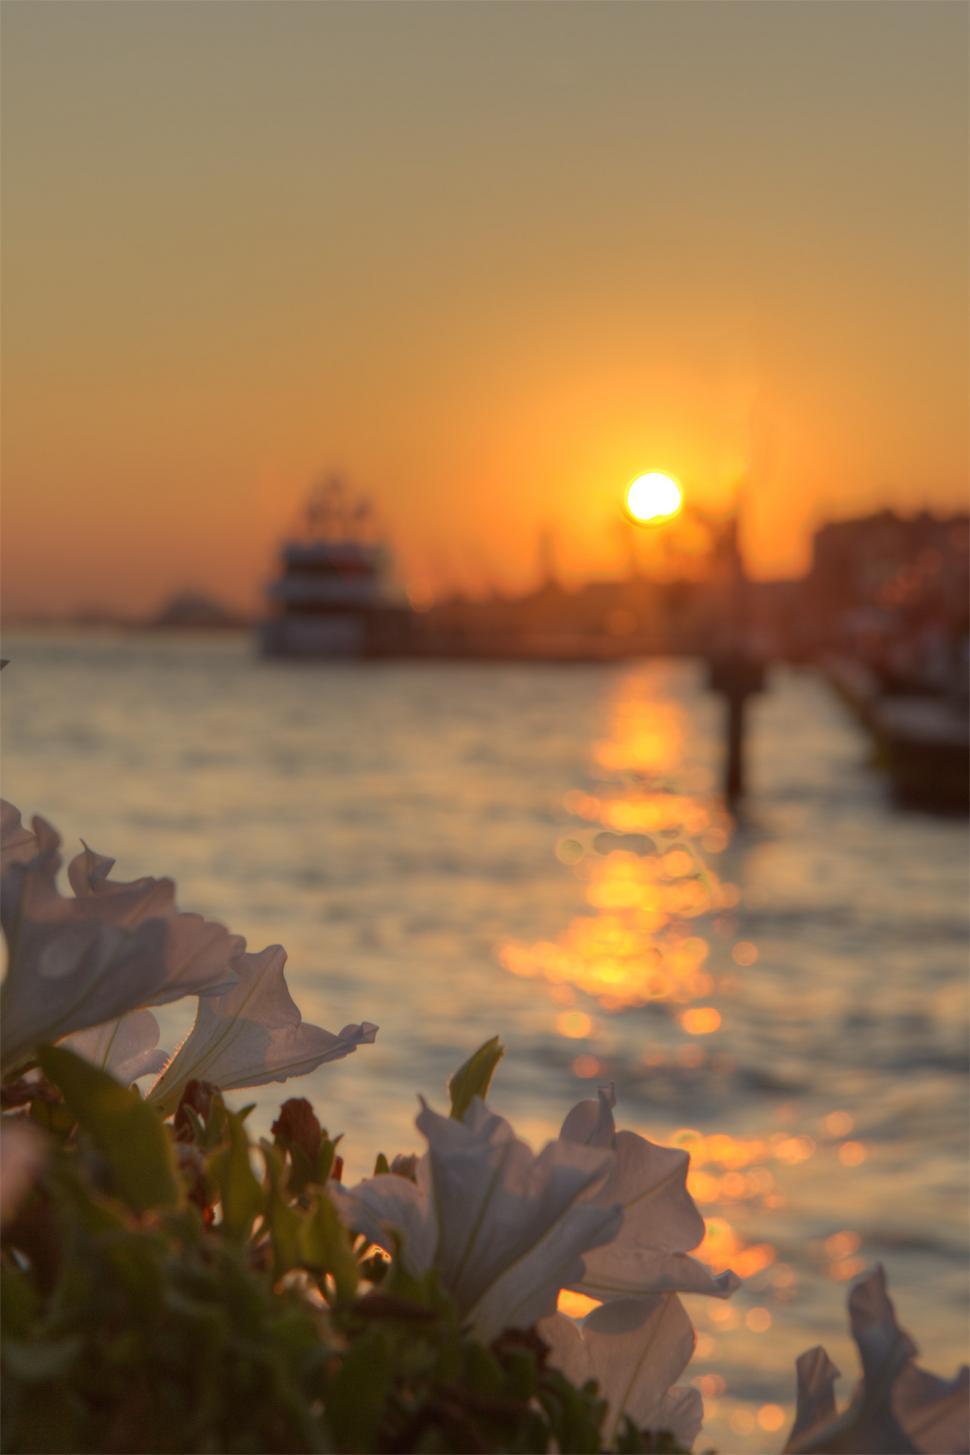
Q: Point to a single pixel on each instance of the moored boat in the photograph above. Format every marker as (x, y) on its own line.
(334, 595)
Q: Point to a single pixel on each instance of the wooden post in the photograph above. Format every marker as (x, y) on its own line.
(733, 671)
(734, 757)
(735, 676)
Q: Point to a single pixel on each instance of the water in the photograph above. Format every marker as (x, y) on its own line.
(454, 851)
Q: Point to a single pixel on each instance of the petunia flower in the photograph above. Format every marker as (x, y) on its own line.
(897, 1408)
(661, 1221)
(253, 1033)
(127, 1048)
(86, 968)
(505, 1229)
(67, 969)
(635, 1348)
(76, 963)
(815, 1375)
(198, 952)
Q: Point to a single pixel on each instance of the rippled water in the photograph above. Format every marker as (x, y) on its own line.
(454, 851)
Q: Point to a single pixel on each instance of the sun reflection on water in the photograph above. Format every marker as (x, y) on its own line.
(659, 930)
(639, 944)
(639, 848)
(659, 934)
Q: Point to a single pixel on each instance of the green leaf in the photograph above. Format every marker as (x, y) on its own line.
(355, 1396)
(38, 1362)
(216, 1122)
(52, 1116)
(128, 1132)
(326, 1157)
(18, 1300)
(98, 1213)
(326, 1247)
(284, 1220)
(423, 1289)
(381, 1165)
(475, 1077)
(575, 1414)
(482, 1370)
(520, 1371)
(239, 1189)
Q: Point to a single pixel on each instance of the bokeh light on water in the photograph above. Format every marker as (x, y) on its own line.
(659, 930)
(455, 851)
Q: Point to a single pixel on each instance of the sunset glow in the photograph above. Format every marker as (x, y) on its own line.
(393, 303)
(653, 497)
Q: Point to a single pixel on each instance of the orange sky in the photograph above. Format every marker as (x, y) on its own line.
(489, 260)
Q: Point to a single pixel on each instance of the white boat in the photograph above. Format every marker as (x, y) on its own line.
(334, 595)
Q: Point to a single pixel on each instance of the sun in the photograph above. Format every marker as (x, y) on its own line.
(653, 497)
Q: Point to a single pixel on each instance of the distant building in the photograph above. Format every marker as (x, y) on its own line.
(194, 610)
(894, 592)
(884, 561)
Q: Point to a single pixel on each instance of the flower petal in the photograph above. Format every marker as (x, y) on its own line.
(650, 1184)
(567, 1348)
(816, 1376)
(67, 970)
(252, 1034)
(497, 1202)
(591, 1122)
(661, 1221)
(636, 1348)
(505, 1229)
(382, 1206)
(934, 1412)
(527, 1288)
(883, 1346)
(869, 1426)
(681, 1411)
(76, 963)
(127, 1048)
(621, 1271)
(199, 952)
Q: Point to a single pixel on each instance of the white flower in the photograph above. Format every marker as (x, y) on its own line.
(505, 1229)
(635, 1348)
(76, 963)
(198, 952)
(87, 967)
(67, 969)
(816, 1376)
(661, 1221)
(898, 1408)
(253, 1033)
(127, 1048)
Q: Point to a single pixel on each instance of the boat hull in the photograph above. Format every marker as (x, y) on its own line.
(343, 636)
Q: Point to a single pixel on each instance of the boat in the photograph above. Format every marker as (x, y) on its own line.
(923, 741)
(334, 595)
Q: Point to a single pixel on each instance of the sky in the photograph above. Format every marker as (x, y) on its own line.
(489, 261)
